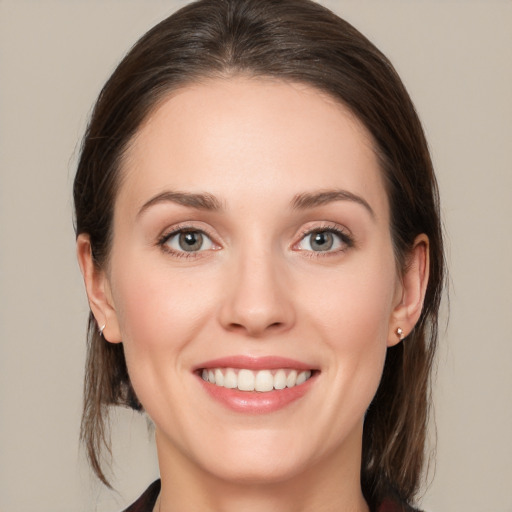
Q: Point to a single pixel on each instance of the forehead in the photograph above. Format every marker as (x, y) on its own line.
(246, 137)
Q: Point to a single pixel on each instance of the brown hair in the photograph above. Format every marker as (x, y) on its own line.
(299, 41)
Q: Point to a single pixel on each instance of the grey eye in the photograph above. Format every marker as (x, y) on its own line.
(321, 241)
(189, 241)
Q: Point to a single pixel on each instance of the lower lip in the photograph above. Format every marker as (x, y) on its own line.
(254, 402)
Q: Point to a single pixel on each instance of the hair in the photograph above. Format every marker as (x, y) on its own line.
(294, 41)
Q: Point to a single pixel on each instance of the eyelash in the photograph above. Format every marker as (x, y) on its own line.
(164, 239)
(343, 236)
(346, 239)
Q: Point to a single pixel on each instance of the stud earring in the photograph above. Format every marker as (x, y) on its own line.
(101, 329)
(400, 333)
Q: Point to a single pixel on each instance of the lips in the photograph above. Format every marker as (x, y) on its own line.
(256, 385)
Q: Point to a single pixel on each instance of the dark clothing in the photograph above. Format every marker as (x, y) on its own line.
(147, 502)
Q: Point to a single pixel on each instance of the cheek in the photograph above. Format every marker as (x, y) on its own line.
(160, 313)
(356, 303)
(353, 313)
(161, 309)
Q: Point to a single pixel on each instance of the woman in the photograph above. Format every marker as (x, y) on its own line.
(258, 229)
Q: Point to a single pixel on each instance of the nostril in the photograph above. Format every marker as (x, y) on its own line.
(235, 327)
(254, 329)
(255, 313)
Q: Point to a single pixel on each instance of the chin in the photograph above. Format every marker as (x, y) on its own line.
(257, 468)
(248, 457)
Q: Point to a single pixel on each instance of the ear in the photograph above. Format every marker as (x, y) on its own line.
(411, 292)
(98, 291)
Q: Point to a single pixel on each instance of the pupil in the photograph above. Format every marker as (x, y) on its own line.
(322, 241)
(191, 241)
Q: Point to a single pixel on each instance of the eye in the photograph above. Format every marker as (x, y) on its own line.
(324, 240)
(187, 241)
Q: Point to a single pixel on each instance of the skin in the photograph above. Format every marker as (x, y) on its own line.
(257, 289)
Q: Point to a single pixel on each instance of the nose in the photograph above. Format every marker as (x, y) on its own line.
(257, 299)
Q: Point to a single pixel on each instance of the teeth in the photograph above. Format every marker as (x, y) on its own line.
(219, 378)
(245, 380)
(280, 379)
(264, 381)
(301, 378)
(291, 380)
(230, 379)
(248, 380)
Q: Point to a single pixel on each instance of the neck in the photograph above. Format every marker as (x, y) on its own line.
(328, 486)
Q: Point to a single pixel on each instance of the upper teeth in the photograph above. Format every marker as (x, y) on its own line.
(262, 380)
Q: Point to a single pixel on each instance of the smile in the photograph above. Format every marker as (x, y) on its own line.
(256, 385)
(250, 380)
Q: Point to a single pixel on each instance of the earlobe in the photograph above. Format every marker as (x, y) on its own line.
(98, 291)
(414, 286)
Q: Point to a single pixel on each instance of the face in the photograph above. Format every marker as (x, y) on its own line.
(252, 279)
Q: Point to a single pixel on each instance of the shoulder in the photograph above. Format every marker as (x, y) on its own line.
(147, 500)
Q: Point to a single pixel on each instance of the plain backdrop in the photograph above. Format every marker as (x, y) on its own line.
(455, 57)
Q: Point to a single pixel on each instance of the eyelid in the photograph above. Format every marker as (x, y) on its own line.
(342, 232)
(185, 227)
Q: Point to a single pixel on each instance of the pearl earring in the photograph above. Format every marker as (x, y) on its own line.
(400, 333)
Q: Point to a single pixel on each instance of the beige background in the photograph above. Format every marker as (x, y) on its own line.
(456, 59)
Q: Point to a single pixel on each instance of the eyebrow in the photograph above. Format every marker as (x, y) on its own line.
(201, 201)
(205, 201)
(312, 200)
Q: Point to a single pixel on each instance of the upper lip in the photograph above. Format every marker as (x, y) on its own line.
(254, 363)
